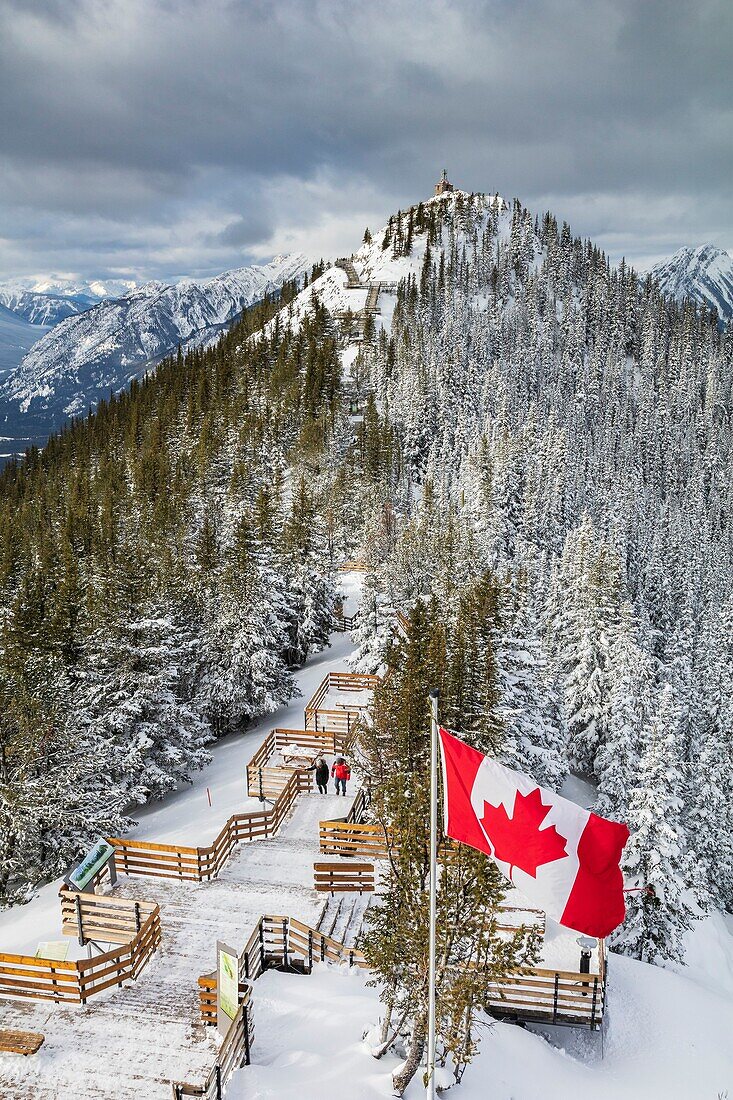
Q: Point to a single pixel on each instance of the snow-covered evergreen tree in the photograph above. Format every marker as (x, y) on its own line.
(657, 861)
(133, 699)
(631, 697)
(528, 707)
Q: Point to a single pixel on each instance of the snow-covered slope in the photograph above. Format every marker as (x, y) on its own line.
(704, 274)
(102, 349)
(17, 336)
(41, 309)
(667, 1038)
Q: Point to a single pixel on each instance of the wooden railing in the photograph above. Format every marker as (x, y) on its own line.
(134, 926)
(345, 838)
(233, 1053)
(357, 565)
(278, 941)
(102, 917)
(275, 941)
(359, 806)
(139, 857)
(403, 624)
(343, 622)
(266, 780)
(40, 979)
(561, 997)
(338, 878)
(553, 996)
(340, 718)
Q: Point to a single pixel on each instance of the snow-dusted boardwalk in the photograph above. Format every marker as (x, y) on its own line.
(133, 1042)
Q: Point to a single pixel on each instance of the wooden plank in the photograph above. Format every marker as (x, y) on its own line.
(120, 969)
(144, 845)
(564, 995)
(20, 1042)
(33, 960)
(347, 868)
(46, 990)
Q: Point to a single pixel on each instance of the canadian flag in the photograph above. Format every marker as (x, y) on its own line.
(563, 858)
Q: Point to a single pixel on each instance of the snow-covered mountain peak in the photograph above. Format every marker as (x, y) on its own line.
(92, 353)
(70, 287)
(396, 251)
(703, 274)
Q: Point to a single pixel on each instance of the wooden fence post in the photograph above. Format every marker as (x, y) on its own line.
(217, 1074)
(54, 984)
(245, 1016)
(285, 941)
(262, 943)
(79, 922)
(593, 1005)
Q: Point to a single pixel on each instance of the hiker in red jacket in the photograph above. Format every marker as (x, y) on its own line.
(341, 772)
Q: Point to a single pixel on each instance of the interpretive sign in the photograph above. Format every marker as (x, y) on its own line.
(58, 950)
(227, 986)
(95, 859)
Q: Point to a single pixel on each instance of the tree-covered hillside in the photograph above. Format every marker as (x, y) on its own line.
(562, 425)
(165, 562)
(529, 422)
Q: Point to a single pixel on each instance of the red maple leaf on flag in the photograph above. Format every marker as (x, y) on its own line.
(518, 840)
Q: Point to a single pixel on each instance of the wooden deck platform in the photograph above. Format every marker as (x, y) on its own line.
(130, 1043)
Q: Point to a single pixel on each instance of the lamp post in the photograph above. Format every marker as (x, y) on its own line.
(587, 945)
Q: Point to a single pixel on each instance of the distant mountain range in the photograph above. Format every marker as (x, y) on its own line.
(50, 301)
(98, 347)
(703, 274)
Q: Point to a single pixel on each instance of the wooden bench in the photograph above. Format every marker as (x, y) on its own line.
(20, 1042)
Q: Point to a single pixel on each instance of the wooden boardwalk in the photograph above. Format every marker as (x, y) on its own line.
(132, 1042)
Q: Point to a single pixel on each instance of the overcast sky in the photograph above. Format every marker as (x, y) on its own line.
(157, 138)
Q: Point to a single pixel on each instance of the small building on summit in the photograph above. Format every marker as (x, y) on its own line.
(444, 185)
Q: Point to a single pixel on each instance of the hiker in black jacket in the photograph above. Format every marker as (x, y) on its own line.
(321, 769)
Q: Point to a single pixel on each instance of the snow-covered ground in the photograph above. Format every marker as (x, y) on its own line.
(667, 1037)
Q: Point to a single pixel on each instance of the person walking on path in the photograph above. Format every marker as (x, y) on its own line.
(341, 773)
(321, 769)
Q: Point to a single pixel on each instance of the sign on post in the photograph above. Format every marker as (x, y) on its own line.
(96, 858)
(58, 950)
(227, 986)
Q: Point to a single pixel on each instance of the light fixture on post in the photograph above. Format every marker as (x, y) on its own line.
(587, 946)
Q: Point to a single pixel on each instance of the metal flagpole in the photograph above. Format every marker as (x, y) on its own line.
(430, 1092)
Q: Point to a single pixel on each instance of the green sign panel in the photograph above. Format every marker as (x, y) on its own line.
(227, 986)
(93, 862)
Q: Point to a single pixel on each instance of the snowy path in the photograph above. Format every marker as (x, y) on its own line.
(184, 817)
(131, 1042)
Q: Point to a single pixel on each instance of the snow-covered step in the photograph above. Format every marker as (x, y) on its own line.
(343, 917)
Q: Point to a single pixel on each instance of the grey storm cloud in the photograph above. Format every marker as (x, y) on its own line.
(182, 134)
